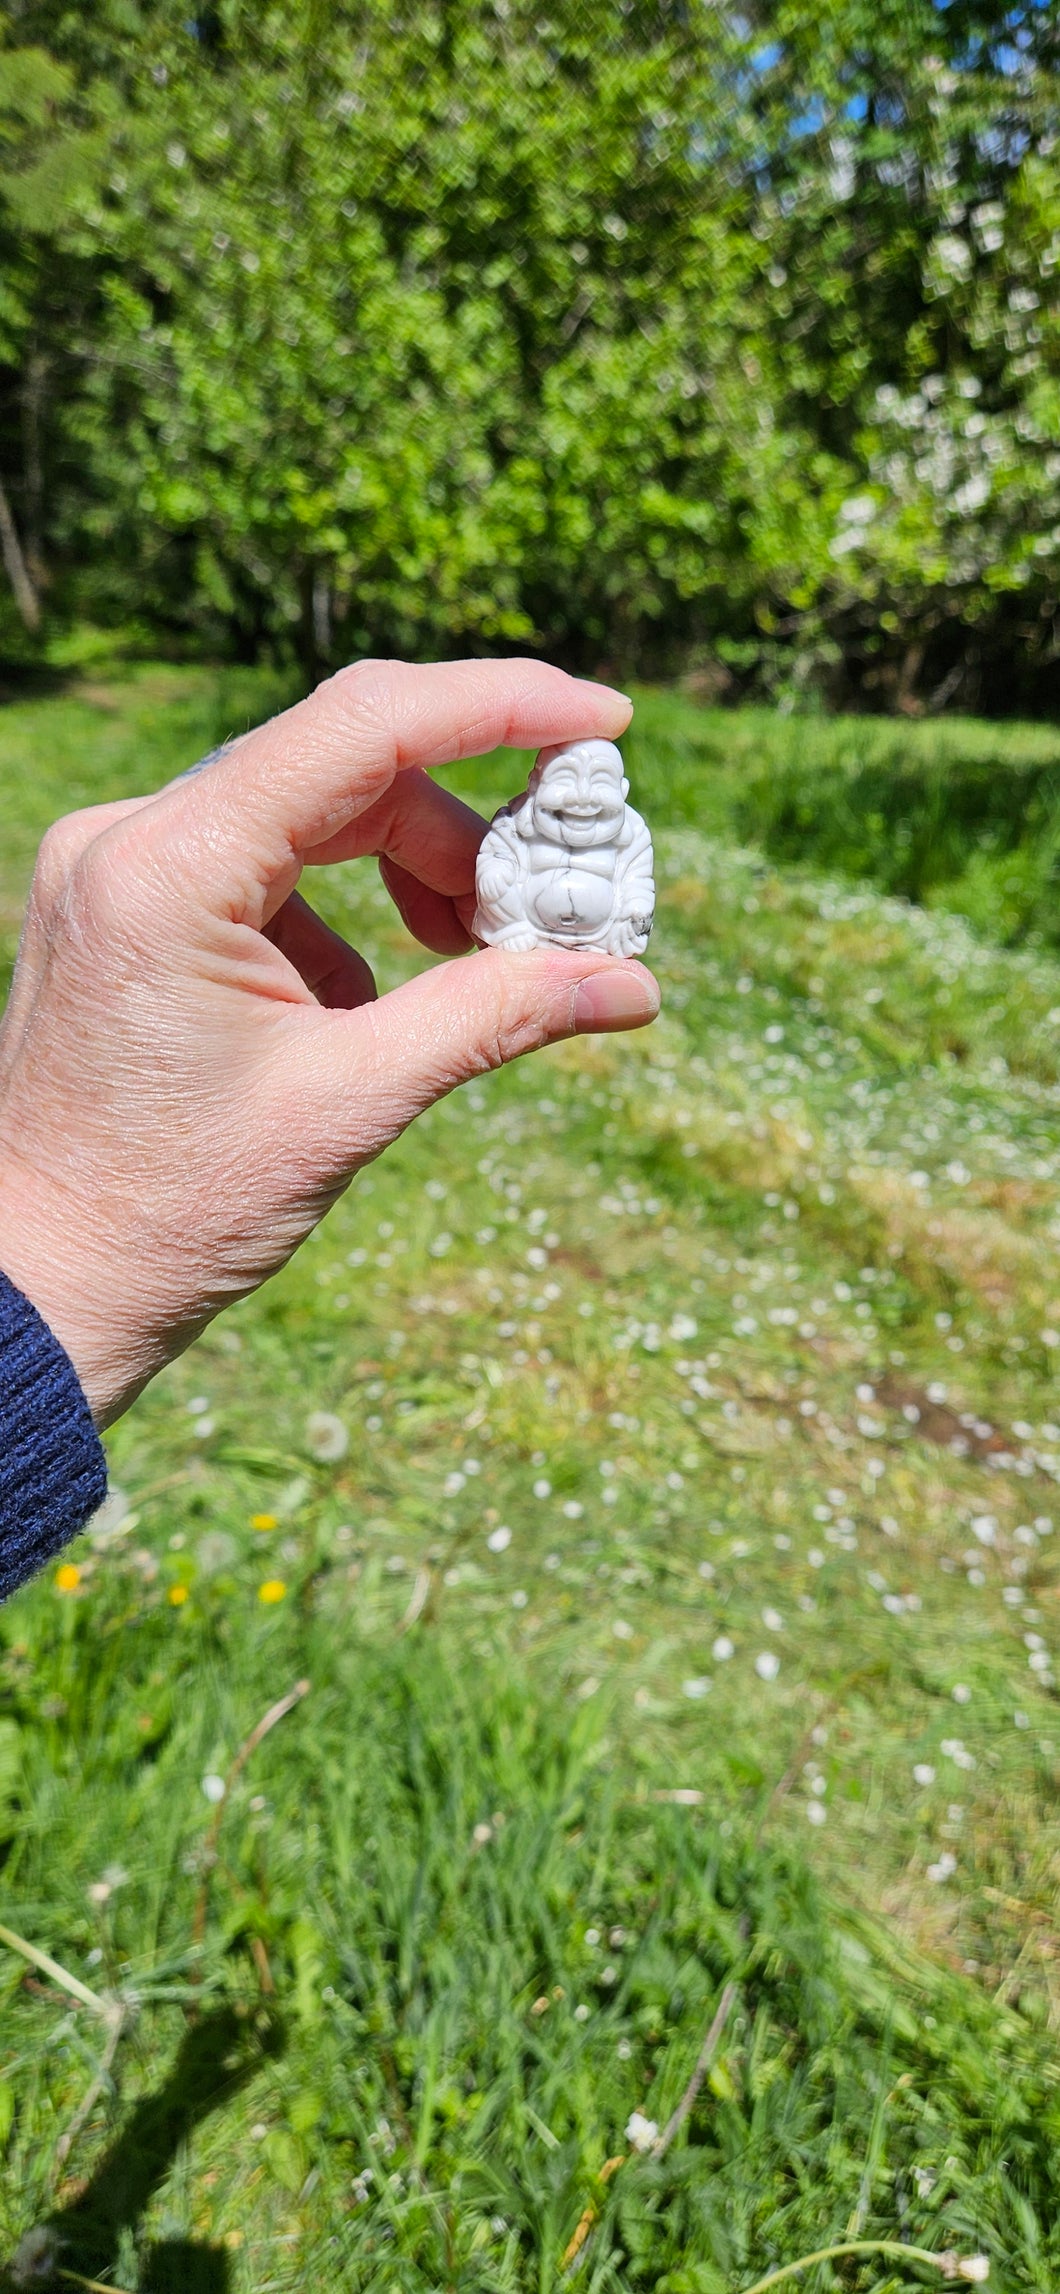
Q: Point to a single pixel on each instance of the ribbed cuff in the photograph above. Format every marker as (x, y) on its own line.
(53, 1474)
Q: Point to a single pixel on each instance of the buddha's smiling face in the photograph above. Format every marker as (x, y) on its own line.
(580, 796)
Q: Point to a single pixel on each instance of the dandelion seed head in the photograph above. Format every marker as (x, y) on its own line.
(326, 1437)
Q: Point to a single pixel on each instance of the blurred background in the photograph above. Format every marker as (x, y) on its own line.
(684, 340)
(637, 1509)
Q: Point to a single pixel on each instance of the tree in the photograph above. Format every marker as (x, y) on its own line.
(654, 335)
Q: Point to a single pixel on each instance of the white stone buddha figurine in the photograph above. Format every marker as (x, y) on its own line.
(568, 863)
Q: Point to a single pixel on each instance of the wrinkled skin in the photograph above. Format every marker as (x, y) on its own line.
(193, 1066)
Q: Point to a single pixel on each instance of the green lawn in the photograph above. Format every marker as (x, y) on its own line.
(654, 1459)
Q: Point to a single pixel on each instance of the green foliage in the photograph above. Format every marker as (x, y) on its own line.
(657, 335)
(956, 813)
(745, 1329)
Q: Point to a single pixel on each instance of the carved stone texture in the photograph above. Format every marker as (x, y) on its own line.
(568, 863)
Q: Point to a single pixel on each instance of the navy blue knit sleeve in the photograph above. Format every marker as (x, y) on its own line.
(53, 1473)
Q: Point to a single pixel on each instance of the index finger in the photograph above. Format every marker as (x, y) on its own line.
(296, 782)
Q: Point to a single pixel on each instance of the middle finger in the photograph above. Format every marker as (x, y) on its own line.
(421, 827)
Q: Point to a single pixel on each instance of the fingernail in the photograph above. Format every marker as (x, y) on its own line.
(615, 1000)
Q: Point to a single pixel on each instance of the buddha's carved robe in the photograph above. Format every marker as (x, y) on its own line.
(531, 889)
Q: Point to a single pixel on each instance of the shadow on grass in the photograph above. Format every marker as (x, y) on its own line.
(217, 2056)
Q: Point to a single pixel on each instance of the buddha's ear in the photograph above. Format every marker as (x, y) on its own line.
(625, 790)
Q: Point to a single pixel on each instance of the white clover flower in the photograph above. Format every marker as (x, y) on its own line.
(641, 2132)
(499, 1539)
(213, 1788)
(696, 1688)
(723, 1649)
(767, 1665)
(326, 1437)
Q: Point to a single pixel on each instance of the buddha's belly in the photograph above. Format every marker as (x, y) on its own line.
(571, 900)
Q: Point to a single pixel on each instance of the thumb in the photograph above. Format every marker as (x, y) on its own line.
(394, 1058)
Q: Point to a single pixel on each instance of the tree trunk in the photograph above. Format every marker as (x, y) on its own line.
(15, 565)
(32, 429)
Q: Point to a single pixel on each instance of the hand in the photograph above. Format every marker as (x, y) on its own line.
(192, 1065)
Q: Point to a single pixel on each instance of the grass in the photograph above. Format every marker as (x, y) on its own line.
(959, 813)
(654, 1460)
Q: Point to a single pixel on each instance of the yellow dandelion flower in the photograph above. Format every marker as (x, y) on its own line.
(264, 1521)
(272, 1590)
(176, 1595)
(67, 1577)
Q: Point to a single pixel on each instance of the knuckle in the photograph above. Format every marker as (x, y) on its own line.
(510, 1033)
(365, 689)
(98, 893)
(60, 849)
